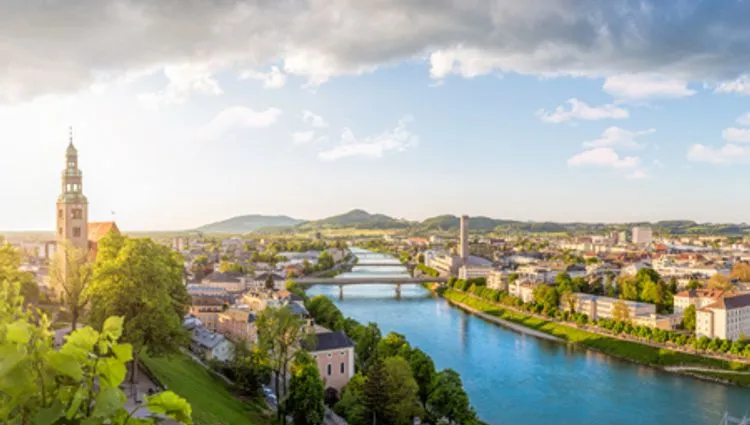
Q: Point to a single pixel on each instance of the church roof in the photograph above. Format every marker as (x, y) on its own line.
(100, 229)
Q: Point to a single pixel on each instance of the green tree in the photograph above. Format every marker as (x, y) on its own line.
(646, 274)
(230, 267)
(269, 282)
(72, 274)
(366, 339)
(394, 344)
(563, 280)
(141, 281)
(325, 261)
(651, 292)
(376, 392)
(720, 282)
(279, 334)
(306, 391)
(423, 371)
(741, 272)
(401, 392)
(620, 311)
(628, 287)
(449, 401)
(352, 405)
(10, 261)
(79, 384)
(693, 284)
(249, 368)
(688, 318)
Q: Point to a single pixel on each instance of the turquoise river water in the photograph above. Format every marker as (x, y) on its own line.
(517, 379)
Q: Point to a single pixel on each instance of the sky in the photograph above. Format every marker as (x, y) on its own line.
(190, 112)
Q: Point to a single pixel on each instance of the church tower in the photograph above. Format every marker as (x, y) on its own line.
(72, 205)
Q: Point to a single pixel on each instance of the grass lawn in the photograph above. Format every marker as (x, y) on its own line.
(210, 398)
(641, 353)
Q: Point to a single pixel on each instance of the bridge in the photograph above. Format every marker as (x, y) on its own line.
(374, 264)
(368, 280)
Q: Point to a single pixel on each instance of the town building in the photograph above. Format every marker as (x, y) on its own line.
(206, 343)
(463, 243)
(698, 297)
(727, 318)
(474, 271)
(232, 282)
(334, 354)
(598, 307)
(497, 280)
(642, 235)
(238, 324)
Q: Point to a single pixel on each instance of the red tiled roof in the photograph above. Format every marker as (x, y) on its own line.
(100, 229)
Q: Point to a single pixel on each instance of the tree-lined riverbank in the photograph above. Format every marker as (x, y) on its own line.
(628, 350)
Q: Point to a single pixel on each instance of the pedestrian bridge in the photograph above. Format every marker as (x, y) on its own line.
(374, 264)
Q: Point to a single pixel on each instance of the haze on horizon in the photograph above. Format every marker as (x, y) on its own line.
(544, 110)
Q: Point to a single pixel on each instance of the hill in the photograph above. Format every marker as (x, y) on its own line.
(250, 223)
(357, 219)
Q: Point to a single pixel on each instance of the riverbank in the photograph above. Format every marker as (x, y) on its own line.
(668, 360)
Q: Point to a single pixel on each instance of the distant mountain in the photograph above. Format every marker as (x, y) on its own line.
(477, 224)
(358, 219)
(250, 223)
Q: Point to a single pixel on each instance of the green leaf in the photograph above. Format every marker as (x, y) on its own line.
(65, 364)
(10, 357)
(123, 352)
(50, 415)
(80, 343)
(113, 327)
(18, 332)
(171, 405)
(108, 402)
(75, 404)
(111, 372)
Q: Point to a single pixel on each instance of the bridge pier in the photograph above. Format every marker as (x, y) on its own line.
(341, 292)
(398, 291)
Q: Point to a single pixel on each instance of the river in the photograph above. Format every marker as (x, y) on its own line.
(518, 379)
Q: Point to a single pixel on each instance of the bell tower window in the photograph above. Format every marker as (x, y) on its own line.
(77, 214)
(60, 213)
(76, 232)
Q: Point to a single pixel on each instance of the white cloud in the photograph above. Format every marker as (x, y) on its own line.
(273, 79)
(603, 157)
(646, 86)
(727, 154)
(658, 164)
(238, 118)
(618, 137)
(740, 85)
(397, 140)
(733, 134)
(303, 137)
(744, 119)
(184, 80)
(313, 119)
(582, 111)
(637, 175)
(323, 39)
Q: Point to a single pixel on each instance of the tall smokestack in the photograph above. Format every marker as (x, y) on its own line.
(463, 247)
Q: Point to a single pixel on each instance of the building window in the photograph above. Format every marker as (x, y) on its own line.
(77, 213)
(329, 369)
(59, 213)
(342, 368)
(76, 232)
(59, 231)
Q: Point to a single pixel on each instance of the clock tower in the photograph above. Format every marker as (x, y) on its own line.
(72, 206)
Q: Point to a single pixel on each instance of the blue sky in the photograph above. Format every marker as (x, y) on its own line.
(531, 122)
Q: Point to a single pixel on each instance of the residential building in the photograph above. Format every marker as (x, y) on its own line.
(238, 324)
(229, 281)
(206, 343)
(334, 354)
(597, 307)
(642, 235)
(727, 318)
(523, 290)
(471, 271)
(697, 297)
(497, 280)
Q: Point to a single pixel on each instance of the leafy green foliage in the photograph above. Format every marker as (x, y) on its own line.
(141, 281)
(449, 400)
(688, 318)
(306, 391)
(79, 384)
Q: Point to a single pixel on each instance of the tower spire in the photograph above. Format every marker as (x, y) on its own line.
(70, 135)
